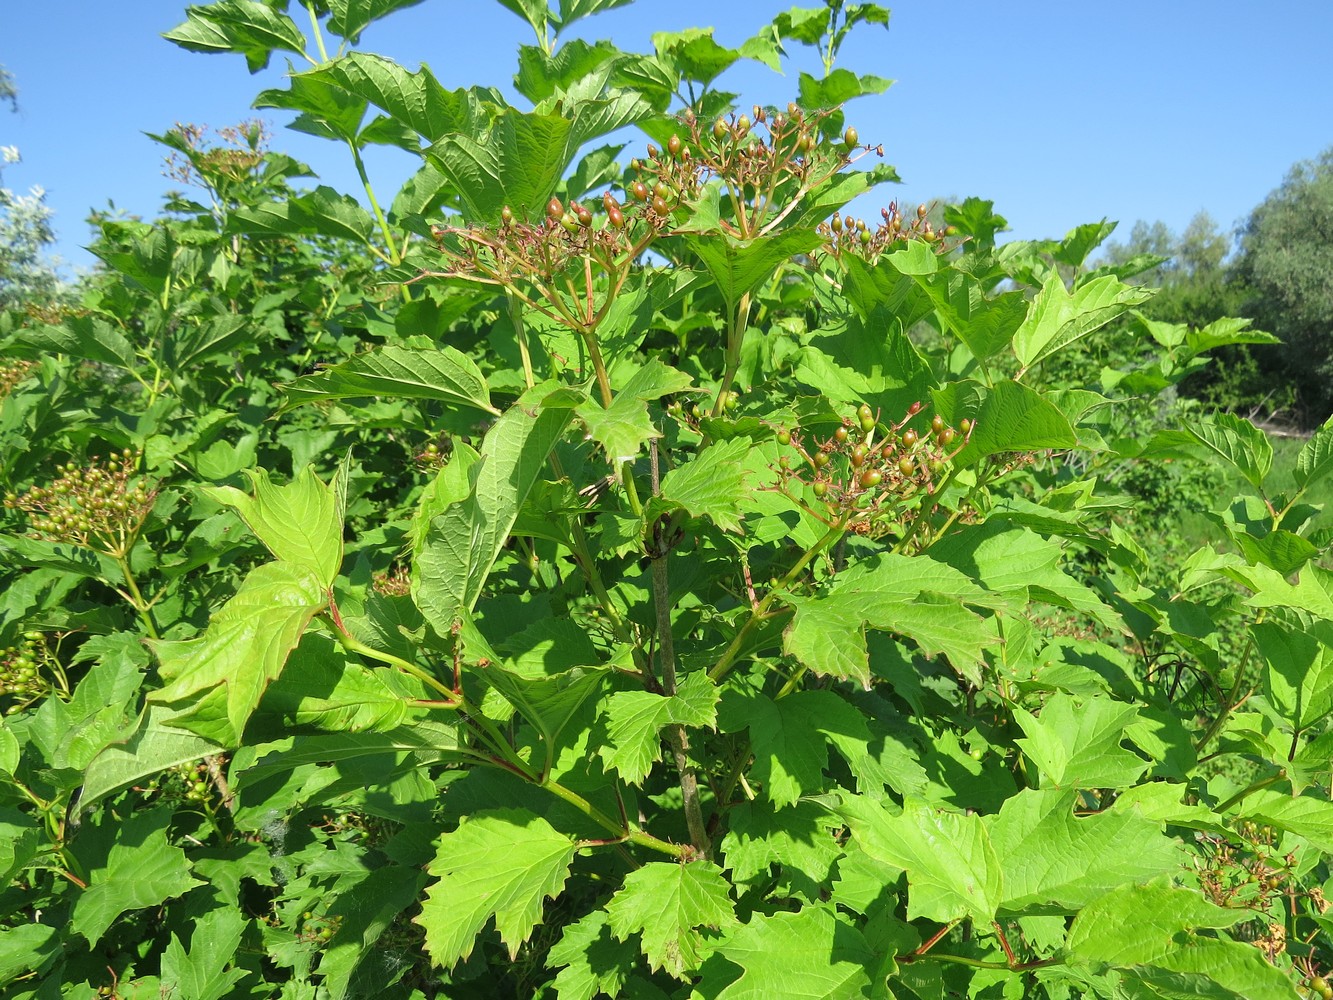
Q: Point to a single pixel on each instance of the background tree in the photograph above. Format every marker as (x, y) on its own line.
(1286, 257)
(27, 274)
(1198, 285)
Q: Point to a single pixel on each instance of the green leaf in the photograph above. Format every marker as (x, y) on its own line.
(322, 687)
(348, 18)
(518, 164)
(809, 954)
(1011, 417)
(634, 718)
(871, 361)
(694, 54)
(463, 542)
(500, 863)
(1058, 318)
(1142, 929)
(447, 375)
(573, 10)
(300, 523)
(952, 868)
(837, 88)
(151, 748)
(1055, 863)
(325, 109)
(625, 426)
(87, 337)
(321, 212)
(541, 76)
(1013, 560)
(741, 266)
(535, 12)
(1315, 460)
(665, 903)
(549, 701)
(1308, 816)
(711, 484)
(9, 751)
(416, 100)
(247, 27)
(1237, 442)
(914, 596)
(800, 838)
(807, 25)
(141, 870)
(1299, 679)
(26, 948)
(216, 680)
(1077, 744)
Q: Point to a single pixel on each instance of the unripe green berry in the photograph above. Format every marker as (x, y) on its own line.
(850, 137)
(784, 436)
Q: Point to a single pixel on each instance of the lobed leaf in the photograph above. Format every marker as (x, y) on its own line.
(501, 864)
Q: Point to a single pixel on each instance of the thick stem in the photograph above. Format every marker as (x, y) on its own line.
(394, 257)
(676, 735)
(736, 323)
(598, 367)
(314, 30)
(521, 335)
(143, 608)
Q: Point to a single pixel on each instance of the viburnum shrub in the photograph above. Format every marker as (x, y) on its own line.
(650, 578)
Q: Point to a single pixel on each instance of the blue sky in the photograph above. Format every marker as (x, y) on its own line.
(1060, 111)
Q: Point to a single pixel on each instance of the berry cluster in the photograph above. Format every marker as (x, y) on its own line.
(545, 253)
(189, 781)
(12, 372)
(24, 672)
(853, 235)
(765, 174)
(764, 177)
(95, 506)
(853, 472)
(433, 455)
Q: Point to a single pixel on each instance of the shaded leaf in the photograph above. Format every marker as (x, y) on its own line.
(142, 869)
(464, 540)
